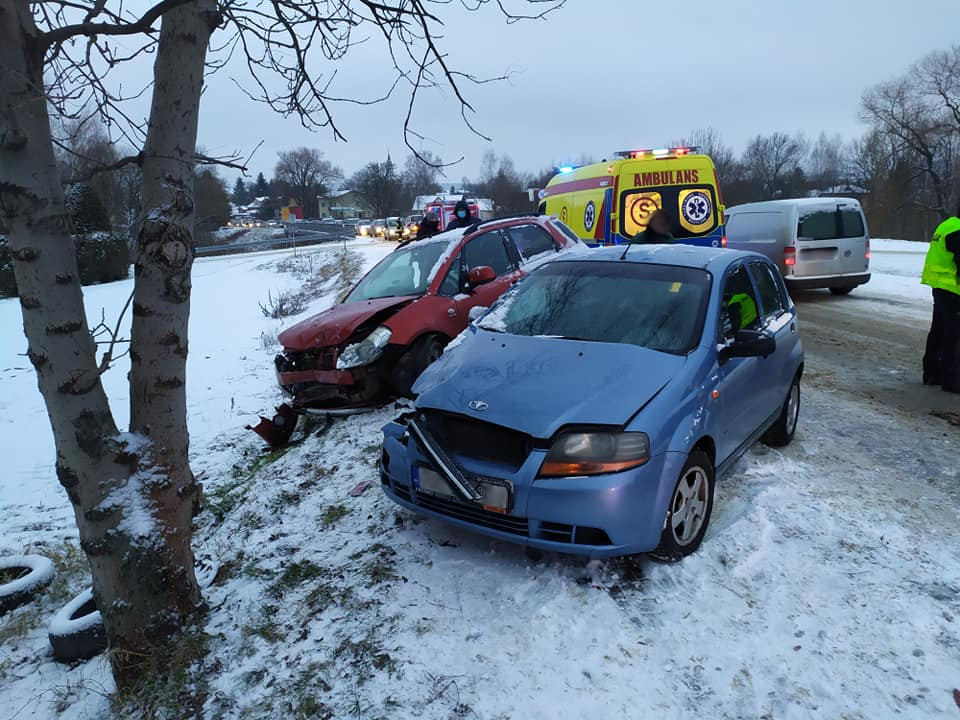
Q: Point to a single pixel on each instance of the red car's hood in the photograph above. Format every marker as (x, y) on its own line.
(334, 326)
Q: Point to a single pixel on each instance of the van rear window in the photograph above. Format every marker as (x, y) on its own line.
(827, 225)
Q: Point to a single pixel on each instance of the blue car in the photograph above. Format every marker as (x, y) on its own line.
(591, 410)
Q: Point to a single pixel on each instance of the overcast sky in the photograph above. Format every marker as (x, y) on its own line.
(605, 75)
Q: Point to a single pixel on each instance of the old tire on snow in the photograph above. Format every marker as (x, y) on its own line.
(77, 632)
(424, 352)
(782, 431)
(31, 574)
(691, 505)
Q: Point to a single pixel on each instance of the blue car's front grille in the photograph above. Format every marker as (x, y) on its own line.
(467, 437)
(477, 516)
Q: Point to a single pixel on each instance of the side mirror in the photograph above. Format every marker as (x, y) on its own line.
(749, 343)
(481, 275)
(477, 312)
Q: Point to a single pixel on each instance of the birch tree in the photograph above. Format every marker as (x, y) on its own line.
(132, 489)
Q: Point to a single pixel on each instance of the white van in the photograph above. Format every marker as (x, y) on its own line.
(817, 242)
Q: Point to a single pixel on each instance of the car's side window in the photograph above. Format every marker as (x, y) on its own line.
(770, 298)
(531, 240)
(488, 249)
(452, 284)
(740, 309)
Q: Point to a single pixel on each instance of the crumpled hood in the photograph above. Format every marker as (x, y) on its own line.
(336, 325)
(539, 384)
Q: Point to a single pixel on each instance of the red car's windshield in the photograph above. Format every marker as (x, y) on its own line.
(404, 272)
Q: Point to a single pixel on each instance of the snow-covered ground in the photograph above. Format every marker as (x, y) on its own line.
(828, 584)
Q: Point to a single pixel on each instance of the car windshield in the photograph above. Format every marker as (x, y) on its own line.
(660, 307)
(403, 272)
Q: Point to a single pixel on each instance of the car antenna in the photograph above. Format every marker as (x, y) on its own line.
(626, 250)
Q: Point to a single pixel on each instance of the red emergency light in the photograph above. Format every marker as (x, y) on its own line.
(658, 153)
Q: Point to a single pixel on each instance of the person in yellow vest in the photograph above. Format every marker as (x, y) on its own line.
(941, 271)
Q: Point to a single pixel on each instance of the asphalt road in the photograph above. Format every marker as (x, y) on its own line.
(867, 348)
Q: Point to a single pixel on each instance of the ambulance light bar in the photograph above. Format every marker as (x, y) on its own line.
(658, 153)
(566, 169)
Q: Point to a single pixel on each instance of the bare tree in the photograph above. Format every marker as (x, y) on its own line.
(307, 173)
(133, 492)
(770, 161)
(379, 184)
(921, 111)
(709, 141)
(827, 162)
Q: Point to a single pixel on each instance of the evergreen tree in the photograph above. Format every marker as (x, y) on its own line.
(241, 195)
(260, 186)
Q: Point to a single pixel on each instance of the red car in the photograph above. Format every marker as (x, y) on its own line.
(400, 315)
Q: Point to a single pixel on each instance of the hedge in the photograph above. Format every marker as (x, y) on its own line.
(101, 257)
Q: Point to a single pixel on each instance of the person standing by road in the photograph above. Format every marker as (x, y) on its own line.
(463, 218)
(941, 271)
(657, 231)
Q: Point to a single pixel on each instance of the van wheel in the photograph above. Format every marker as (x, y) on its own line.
(689, 511)
(782, 431)
(841, 290)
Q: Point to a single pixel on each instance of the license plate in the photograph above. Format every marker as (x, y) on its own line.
(431, 482)
(494, 495)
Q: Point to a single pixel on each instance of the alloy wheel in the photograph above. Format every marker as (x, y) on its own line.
(688, 509)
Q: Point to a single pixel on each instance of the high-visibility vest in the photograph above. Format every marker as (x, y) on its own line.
(940, 268)
(748, 309)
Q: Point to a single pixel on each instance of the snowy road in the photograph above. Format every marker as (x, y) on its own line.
(828, 585)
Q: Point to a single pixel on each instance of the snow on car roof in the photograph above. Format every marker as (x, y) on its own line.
(682, 255)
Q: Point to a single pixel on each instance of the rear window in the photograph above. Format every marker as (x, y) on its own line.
(660, 307)
(831, 224)
(693, 209)
(531, 240)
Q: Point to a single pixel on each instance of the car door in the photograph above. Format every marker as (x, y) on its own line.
(486, 249)
(778, 317)
(743, 406)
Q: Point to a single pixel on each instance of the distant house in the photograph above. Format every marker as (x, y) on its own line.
(843, 190)
(344, 204)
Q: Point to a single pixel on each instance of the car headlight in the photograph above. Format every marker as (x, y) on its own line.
(594, 452)
(365, 351)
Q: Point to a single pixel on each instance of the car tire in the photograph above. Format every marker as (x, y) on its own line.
(782, 431)
(841, 290)
(76, 631)
(424, 352)
(32, 573)
(688, 514)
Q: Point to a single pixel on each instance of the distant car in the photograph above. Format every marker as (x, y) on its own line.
(412, 223)
(328, 220)
(816, 242)
(365, 228)
(395, 229)
(401, 314)
(591, 410)
(379, 227)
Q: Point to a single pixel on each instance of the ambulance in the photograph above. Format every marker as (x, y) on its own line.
(608, 203)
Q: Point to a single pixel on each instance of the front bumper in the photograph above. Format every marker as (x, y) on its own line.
(331, 389)
(599, 516)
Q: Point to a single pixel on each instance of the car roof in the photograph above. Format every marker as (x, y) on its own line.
(714, 260)
(793, 202)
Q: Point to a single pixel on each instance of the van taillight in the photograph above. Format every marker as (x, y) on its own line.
(723, 241)
(868, 249)
(789, 256)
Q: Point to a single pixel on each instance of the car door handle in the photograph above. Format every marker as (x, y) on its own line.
(793, 327)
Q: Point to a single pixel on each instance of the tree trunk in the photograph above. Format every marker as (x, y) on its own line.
(133, 493)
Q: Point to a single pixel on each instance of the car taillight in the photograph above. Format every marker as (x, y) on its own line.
(868, 249)
(789, 256)
(723, 241)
